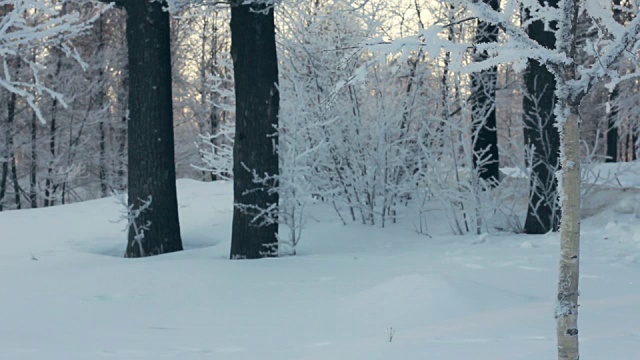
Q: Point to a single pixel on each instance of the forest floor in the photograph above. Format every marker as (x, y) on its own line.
(353, 292)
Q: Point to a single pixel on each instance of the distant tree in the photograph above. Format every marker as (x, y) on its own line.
(612, 127)
(27, 28)
(256, 164)
(621, 14)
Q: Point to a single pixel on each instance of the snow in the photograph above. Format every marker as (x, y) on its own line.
(67, 293)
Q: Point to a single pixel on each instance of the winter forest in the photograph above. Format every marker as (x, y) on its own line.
(423, 171)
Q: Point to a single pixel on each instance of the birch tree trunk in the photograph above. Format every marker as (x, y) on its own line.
(569, 99)
(567, 306)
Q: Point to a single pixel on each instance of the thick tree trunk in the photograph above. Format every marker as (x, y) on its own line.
(543, 213)
(486, 158)
(253, 49)
(151, 174)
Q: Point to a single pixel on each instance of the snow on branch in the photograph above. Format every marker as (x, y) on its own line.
(131, 215)
(30, 26)
(607, 57)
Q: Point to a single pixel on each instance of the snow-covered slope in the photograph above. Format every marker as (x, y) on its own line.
(355, 292)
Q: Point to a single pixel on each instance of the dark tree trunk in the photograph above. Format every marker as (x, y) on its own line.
(33, 179)
(50, 186)
(630, 151)
(11, 115)
(102, 172)
(543, 213)
(486, 158)
(151, 174)
(3, 181)
(4, 157)
(213, 117)
(121, 136)
(122, 155)
(634, 141)
(612, 118)
(612, 128)
(14, 180)
(100, 99)
(49, 183)
(253, 48)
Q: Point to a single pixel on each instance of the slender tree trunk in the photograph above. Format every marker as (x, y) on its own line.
(11, 114)
(122, 155)
(483, 104)
(121, 130)
(543, 213)
(49, 183)
(569, 103)
(3, 181)
(253, 50)
(33, 169)
(14, 180)
(100, 101)
(50, 186)
(612, 128)
(567, 305)
(121, 136)
(4, 157)
(634, 141)
(612, 118)
(102, 160)
(151, 174)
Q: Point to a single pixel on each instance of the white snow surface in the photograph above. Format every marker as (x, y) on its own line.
(67, 293)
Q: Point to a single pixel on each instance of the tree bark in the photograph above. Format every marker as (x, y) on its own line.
(11, 115)
(486, 157)
(100, 99)
(543, 213)
(50, 185)
(253, 50)
(569, 268)
(33, 168)
(612, 118)
(612, 128)
(4, 175)
(151, 158)
(567, 305)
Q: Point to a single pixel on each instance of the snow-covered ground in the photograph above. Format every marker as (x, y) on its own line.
(355, 292)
